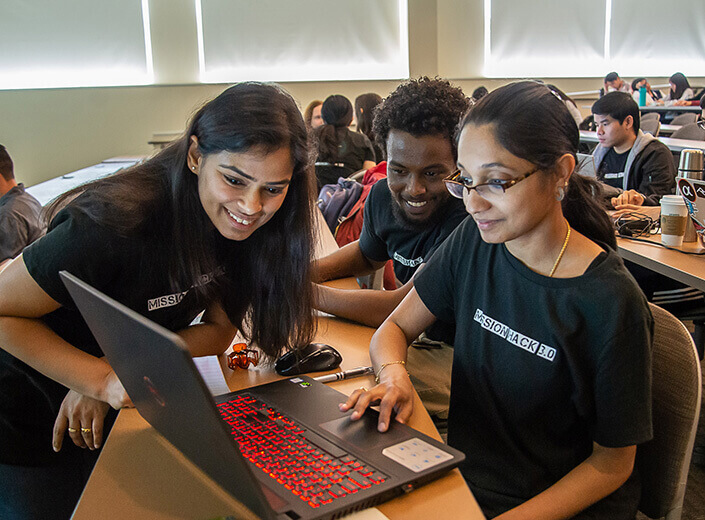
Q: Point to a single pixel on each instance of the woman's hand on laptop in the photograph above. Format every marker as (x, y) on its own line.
(394, 394)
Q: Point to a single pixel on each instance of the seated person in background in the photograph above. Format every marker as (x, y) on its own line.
(312, 114)
(680, 91)
(652, 96)
(551, 388)
(479, 93)
(338, 146)
(613, 83)
(407, 216)
(20, 222)
(638, 167)
(364, 115)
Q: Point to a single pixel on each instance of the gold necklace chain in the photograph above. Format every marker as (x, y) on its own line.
(560, 255)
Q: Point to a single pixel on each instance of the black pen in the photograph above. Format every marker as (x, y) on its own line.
(347, 374)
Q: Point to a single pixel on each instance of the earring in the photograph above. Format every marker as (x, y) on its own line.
(193, 168)
(561, 194)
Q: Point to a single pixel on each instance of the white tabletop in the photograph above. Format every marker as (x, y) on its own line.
(675, 145)
(46, 191)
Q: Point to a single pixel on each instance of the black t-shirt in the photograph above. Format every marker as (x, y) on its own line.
(542, 367)
(384, 237)
(113, 264)
(612, 168)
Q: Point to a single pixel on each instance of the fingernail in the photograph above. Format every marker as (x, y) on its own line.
(56, 448)
(382, 427)
(355, 415)
(342, 407)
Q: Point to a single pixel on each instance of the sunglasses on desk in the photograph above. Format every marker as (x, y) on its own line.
(242, 357)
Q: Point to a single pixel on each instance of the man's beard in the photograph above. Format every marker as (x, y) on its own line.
(415, 225)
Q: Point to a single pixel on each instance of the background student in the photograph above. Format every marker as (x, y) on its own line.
(652, 96)
(680, 90)
(312, 114)
(365, 105)
(613, 83)
(20, 221)
(407, 216)
(638, 168)
(221, 222)
(338, 145)
(551, 375)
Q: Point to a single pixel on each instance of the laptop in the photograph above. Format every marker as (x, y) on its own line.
(283, 449)
(693, 193)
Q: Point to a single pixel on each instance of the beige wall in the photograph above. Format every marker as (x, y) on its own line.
(54, 131)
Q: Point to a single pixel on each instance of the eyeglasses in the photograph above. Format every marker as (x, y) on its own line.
(242, 357)
(456, 183)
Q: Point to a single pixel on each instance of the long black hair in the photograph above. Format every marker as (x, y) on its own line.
(365, 105)
(532, 123)
(263, 281)
(337, 113)
(681, 83)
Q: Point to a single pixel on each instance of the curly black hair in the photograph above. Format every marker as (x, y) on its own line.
(422, 106)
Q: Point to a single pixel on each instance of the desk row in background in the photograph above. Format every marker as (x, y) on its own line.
(46, 191)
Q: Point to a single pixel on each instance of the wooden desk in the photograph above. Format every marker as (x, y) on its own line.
(675, 145)
(139, 475)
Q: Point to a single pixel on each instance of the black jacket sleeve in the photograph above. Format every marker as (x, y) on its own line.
(655, 173)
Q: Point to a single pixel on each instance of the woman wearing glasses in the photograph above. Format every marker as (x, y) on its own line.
(550, 387)
(204, 225)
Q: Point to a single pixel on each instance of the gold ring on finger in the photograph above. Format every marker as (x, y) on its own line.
(72, 430)
(86, 430)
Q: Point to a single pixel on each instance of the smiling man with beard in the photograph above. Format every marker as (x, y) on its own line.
(407, 216)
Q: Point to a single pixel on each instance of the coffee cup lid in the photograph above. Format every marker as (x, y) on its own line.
(672, 199)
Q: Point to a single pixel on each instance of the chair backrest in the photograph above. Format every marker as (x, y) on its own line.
(650, 115)
(684, 119)
(664, 461)
(691, 131)
(327, 173)
(651, 126)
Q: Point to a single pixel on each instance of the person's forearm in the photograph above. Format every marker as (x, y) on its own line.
(592, 480)
(32, 342)
(365, 306)
(346, 261)
(388, 344)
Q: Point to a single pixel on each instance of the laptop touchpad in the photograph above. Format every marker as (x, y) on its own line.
(363, 433)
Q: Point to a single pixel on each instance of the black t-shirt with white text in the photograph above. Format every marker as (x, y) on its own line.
(115, 265)
(384, 237)
(543, 367)
(612, 168)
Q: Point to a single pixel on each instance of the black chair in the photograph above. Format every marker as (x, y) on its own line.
(329, 173)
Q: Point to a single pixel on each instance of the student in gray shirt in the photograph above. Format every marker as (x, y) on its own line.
(20, 224)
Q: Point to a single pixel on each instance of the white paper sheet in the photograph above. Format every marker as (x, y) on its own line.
(212, 374)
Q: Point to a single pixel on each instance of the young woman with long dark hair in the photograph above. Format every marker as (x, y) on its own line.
(365, 105)
(551, 373)
(340, 150)
(220, 221)
(680, 90)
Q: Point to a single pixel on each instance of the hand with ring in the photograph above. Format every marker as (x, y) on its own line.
(394, 394)
(82, 417)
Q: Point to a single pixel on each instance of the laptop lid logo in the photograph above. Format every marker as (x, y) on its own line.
(153, 391)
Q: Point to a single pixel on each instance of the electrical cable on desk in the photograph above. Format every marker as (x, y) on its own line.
(646, 241)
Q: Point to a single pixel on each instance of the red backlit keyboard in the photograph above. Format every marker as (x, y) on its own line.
(315, 470)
